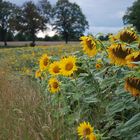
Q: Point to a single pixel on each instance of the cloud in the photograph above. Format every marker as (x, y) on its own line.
(103, 29)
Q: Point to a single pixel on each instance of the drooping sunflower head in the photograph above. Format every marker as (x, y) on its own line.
(54, 85)
(44, 62)
(68, 66)
(89, 45)
(117, 54)
(54, 68)
(132, 84)
(92, 136)
(85, 129)
(134, 57)
(38, 74)
(128, 36)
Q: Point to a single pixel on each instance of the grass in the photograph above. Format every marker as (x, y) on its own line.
(23, 112)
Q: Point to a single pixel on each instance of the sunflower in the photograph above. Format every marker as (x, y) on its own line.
(117, 53)
(92, 136)
(127, 35)
(134, 57)
(84, 130)
(98, 65)
(54, 68)
(38, 74)
(132, 84)
(54, 85)
(44, 62)
(89, 45)
(68, 66)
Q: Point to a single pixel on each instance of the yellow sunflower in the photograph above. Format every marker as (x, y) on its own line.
(132, 84)
(54, 85)
(54, 68)
(44, 62)
(117, 54)
(84, 130)
(68, 66)
(127, 35)
(92, 136)
(38, 74)
(134, 57)
(98, 65)
(89, 45)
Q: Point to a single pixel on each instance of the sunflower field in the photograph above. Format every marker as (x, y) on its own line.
(91, 92)
(95, 94)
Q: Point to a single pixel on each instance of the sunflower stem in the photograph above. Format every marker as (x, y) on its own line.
(103, 47)
(95, 82)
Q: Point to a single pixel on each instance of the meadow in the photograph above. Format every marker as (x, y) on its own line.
(87, 91)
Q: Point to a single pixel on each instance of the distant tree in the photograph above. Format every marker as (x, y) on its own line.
(20, 36)
(6, 13)
(69, 21)
(132, 15)
(29, 20)
(53, 38)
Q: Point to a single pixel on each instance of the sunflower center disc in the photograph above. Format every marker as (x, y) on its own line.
(69, 66)
(56, 69)
(86, 131)
(55, 85)
(89, 44)
(45, 62)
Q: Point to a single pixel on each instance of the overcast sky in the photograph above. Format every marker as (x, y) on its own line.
(103, 15)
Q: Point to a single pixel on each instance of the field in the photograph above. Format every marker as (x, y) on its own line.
(23, 114)
(64, 92)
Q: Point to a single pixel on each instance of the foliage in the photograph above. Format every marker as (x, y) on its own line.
(6, 14)
(29, 20)
(46, 9)
(132, 15)
(69, 20)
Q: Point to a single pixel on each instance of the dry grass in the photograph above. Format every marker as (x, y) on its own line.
(24, 114)
(19, 103)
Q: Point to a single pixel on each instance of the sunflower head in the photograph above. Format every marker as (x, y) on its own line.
(128, 36)
(132, 84)
(68, 66)
(134, 57)
(117, 53)
(38, 74)
(54, 68)
(54, 85)
(44, 62)
(92, 136)
(98, 66)
(89, 45)
(84, 130)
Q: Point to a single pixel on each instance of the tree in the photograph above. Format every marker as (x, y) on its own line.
(29, 20)
(6, 12)
(132, 15)
(45, 9)
(69, 21)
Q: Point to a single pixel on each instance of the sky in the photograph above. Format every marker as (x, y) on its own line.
(104, 16)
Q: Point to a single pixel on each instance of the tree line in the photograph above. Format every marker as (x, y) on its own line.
(24, 22)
